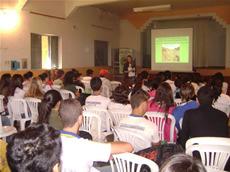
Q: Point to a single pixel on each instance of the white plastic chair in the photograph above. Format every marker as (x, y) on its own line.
(105, 91)
(118, 115)
(33, 107)
(128, 162)
(212, 156)
(19, 111)
(66, 94)
(159, 119)
(6, 130)
(91, 124)
(115, 84)
(133, 137)
(221, 141)
(80, 88)
(106, 122)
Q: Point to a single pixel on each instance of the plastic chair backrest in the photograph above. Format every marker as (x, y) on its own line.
(208, 141)
(66, 94)
(159, 119)
(18, 109)
(115, 84)
(80, 88)
(106, 122)
(33, 107)
(91, 124)
(133, 137)
(212, 156)
(118, 115)
(128, 162)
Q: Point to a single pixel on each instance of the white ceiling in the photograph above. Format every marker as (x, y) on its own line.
(63, 8)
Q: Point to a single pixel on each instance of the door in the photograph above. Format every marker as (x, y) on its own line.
(100, 53)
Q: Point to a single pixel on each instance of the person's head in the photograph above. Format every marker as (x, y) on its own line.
(129, 59)
(49, 101)
(44, 77)
(77, 74)
(168, 75)
(187, 92)
(16, 82)
(154, 84)
(89, 72)
(5, 79)
(69, 78)
(34, 90)
(205, 95)
(218, 76)
(36, 149)
(164, 96)
(144, 74)
(139, 102)
(96, 83)
(70, 111)
(60, 74)
(120, 94)
(28, 75)
(216, 84)
(182, 163)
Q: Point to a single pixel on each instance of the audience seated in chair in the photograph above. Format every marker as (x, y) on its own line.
(120, 99)
(205, 120)
(27, 80)
(104, 75)
(163, 102)
(59, 78)
(78, 153)
(187, 92)
(34, 90)
(16, 87)
(44, 82)
(182, 163)
(136, 120)
(96, 99)
(37, 148)
(89, 75)
(48, 109)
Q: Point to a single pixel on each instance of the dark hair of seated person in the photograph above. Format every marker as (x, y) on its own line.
(182, 163)
(49, 101)
(36, 149)
(120, 94)
(95, 83)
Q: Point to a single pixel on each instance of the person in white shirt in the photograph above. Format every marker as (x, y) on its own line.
(16, 87)
(120, 99)
(168, 77)
(96, 99)
(44, 79)
(89, 75)
(104, 75)
(78, 154)
(221, 101)
(27, 81)
(136, 121)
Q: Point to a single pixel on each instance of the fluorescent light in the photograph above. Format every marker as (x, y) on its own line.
(153, 8)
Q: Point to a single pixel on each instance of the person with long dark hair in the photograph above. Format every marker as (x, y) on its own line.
(16, 87)
(129, 69)
(48, 109)
(163, 102)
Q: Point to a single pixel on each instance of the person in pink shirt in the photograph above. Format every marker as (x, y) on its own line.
(163, 102)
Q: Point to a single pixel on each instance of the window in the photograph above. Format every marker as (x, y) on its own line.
(44, 51)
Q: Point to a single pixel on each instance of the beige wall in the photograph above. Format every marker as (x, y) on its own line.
(130, 38)
(227, 59)
(77, 33)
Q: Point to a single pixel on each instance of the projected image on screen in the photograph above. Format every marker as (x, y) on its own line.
(172, 49)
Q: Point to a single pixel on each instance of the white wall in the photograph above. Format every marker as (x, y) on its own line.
(77, 33)
(227, 61)
(130, 38)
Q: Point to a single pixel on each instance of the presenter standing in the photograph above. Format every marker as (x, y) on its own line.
(129, 69)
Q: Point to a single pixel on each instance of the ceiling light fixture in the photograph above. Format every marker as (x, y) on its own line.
(153, 8)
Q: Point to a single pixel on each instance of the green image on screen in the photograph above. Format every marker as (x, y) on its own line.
(172, 49)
